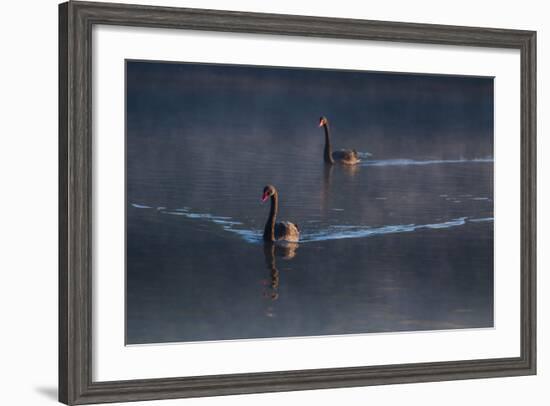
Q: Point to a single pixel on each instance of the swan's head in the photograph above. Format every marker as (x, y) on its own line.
(323, 121)
(269, 191)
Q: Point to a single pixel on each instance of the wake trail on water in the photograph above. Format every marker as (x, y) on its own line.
(332, 232)
(409, 162)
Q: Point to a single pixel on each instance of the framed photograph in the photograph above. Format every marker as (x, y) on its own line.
(257, 202)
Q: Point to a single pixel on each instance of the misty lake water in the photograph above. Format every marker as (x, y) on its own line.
(401, 242)
(388, 245)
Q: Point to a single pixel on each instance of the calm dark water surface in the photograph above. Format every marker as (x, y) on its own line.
(401, 242)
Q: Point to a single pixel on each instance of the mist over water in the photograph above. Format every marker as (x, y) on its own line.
(401, 242)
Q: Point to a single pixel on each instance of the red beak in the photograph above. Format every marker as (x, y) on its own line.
(265, 197)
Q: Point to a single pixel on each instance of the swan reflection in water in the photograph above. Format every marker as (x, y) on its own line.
(328, 172)
(348, 170)
(270, 291)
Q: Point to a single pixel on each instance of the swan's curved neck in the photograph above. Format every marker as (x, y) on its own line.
(328, 149)
(269, 230)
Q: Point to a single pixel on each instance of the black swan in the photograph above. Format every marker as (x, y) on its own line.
(344, 156)
(282, 231)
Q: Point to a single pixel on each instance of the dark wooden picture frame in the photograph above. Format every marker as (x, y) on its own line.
(76, 20)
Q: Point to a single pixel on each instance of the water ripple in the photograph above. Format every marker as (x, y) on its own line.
(342, 232)
(140, 206)
(223, 220)
(406, 162)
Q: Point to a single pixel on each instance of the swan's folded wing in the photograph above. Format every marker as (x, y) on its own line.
(285, 230)
(346, 156)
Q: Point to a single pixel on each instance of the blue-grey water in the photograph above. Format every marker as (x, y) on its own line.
(401, 242)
